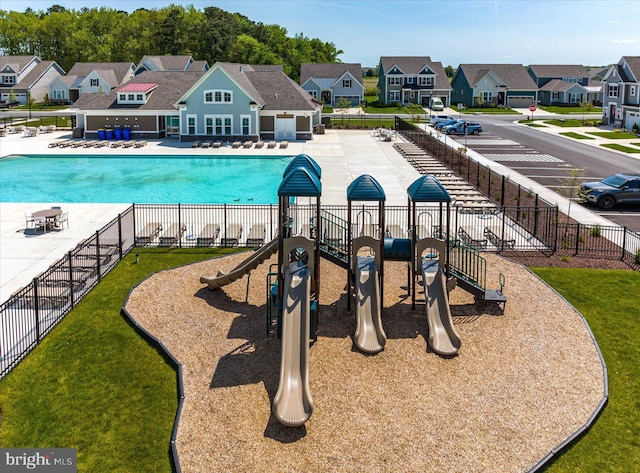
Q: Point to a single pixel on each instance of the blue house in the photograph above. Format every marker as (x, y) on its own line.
(330, 82)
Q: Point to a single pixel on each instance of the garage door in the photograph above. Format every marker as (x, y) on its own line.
(630, 119)
(519, 102)
(355, 101)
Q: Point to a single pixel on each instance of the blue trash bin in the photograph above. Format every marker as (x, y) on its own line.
(101, 134)
(108, 134)
(126, 133)
(118, 133)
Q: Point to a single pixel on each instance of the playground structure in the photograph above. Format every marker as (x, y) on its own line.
(293, 287)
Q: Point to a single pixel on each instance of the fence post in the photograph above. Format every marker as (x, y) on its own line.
(98, 254)
(504, 179)
(577, 238)
(120, 242)
(179, 225)
(478, 177)
(37, 308)
(535, 217)
(73, 302)
(624, 242)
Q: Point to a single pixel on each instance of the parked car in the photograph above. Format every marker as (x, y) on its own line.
(458, 128)
(436, 118)
(436, 104)
(612, 190)
(9, 103)
(443, 123)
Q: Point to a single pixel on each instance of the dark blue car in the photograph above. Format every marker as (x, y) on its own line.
(462, 127)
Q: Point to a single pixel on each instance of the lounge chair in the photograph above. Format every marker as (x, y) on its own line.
(284, 144)
(232, 235)
(259, 144)
(495, 235)
(208, 235)
(217, 144)
(472, 236)
(101, 144)
(206, 144)
(247, 144)
(173, 234)
(236, 144)
(148, 233)
(271, 144)
(256, 235)
(128, 144)
(117, 144)
(139, 144)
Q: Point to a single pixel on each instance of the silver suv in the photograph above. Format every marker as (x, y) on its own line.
(436, 118)
(612, 190)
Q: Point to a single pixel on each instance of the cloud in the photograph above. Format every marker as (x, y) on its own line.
(613, 21)
(625, 41)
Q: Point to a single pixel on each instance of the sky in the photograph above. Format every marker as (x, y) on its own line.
(453, 32)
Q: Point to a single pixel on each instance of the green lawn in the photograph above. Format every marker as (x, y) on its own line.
(577, 136)
(95, 385)
(566, 123)
(571, 110)
(613, 135)
(486, 110)
(608, 301)
(619, 147)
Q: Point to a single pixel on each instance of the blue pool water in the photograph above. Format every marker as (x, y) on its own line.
(141, 179)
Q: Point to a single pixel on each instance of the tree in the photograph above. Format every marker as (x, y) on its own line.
(450, 71)
(570, 188)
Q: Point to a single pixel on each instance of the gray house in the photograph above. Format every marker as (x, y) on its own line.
(493, 85)
(329, 82)
(560, 84)
(89, 77)
(621, 93)
(228, 102)
(170, 63)
(25, 77)
(412, 79)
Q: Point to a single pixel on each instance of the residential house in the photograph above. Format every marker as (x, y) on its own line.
(560, 85)
(330, 82)
(493, 85)
(595, 85)
(26, 77)
(621, 93)
(89, 77)
(228, 102)
(412, 79)
(170, 63)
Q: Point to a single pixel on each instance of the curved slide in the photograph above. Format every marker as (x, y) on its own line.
(443, 338)
(252, 262)
(369, 336)
(292, 404)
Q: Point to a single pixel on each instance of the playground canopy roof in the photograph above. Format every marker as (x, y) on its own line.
(428, 189)
(365, 188)
(305, 161)
(300, 182)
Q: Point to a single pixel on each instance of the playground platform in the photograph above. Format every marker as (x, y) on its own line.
(523, 383)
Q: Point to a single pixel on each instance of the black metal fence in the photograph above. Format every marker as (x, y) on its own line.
(61, 122)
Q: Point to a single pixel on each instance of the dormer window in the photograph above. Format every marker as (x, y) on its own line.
(428, 81)
(218, 96)
(94, 82)
(346, 83)
(8, 79)
(136, 93)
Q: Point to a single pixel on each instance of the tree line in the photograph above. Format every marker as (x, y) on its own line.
(103, 34)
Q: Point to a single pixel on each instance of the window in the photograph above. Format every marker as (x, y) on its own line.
(632, 91)
(11, 79)
(555, 96)
(122, 97)
(409, 80)
(94, 82)
(139, 97)
(428, 81)
(218, 96)
(346, 83)
(613, 90)
(394, 81)
(487, 95)
(191, 124)
(208, 124)
(246, 125)
(131, 97)
(313, 93)
(575, 98)
(394, 96)
(223, 125)
(58, 94)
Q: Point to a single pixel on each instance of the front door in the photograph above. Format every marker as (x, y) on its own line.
(612, 114)
(285, 128)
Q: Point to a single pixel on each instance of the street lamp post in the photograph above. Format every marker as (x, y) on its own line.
(29, 102)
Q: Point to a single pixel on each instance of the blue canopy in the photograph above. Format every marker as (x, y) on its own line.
(305, 161)
(300, 182)
(365, 188)
(428, 189)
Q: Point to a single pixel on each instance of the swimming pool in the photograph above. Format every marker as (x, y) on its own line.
(141, 179)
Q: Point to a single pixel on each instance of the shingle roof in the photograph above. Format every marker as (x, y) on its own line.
(414, 64)
(634, 65)
(17, 63)
(557, 85)
(199, 66)
(171, 86)
(558, 71)
(331, 71)
(117, 70)
(515, 76)
(34, 74)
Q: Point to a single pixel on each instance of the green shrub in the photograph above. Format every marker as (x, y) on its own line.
(596, 231)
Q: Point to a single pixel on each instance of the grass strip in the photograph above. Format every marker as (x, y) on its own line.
(577, 136)
(608, 301)
(94, 384)
(619, 147)
(613, 135)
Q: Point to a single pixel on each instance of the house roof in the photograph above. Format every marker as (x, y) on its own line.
(112, 72)
(199, 66)
(166, 63)
(634, 65)
(17, 63)
(330, 71)
(138, 87)
(269, 86)
(170, 87)
(37, 72)
(559, 71)
(557, 85)
(414, 64)
(514, 76)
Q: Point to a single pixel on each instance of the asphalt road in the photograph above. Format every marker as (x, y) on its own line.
(551, 160)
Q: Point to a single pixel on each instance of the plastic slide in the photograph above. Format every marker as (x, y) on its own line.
(369, 336)
(252, 262)
(292, 404)
(443, 338)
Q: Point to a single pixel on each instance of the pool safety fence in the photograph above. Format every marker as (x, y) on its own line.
(33, 311)
(60, 122)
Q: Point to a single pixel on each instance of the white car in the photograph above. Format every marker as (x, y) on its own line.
(436, 118)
